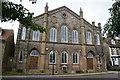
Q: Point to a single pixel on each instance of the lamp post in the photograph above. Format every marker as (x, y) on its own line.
(53, 67)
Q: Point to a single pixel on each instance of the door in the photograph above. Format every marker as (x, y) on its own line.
(90, 61)
(33, 62)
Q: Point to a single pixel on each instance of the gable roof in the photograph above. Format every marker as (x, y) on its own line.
(59, 9)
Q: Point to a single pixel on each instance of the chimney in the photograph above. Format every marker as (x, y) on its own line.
(93, 23)
(99, 24)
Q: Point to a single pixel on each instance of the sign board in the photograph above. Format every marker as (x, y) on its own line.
(100, 53)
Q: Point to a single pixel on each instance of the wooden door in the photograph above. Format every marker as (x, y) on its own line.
(33, 62)
(89, 63)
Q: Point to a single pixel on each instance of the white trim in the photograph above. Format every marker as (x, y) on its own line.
(34, 54)
(77, 58)
(62, 39)
(36, 35)
(73, 36)
(66, 58)
(98, 39)
(20, 52)
(88, 37)
(23, 35)
(53, 29)
(49, 57)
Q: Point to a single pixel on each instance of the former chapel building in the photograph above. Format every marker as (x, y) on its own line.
(70, 41)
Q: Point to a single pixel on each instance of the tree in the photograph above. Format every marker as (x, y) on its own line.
(112, 27)
(12, 11)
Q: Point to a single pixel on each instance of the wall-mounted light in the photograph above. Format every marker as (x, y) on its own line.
(46, 49)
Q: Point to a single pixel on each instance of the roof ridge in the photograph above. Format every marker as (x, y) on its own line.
(57, 9)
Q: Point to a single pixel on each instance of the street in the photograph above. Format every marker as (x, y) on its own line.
(95, 76)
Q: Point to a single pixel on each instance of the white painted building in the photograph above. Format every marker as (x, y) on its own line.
(114, 52)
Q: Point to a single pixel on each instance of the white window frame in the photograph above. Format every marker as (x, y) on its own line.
(74, 36)
(23, 35)
(53, 35)
(66, 58)
(88, 37)
(36, 35)
(52, 56)
(114, 51)
(90, 55)
(20, 56)
(77, 58)
(98, 39)
(112, 41)
(64, 34)
(34, 52)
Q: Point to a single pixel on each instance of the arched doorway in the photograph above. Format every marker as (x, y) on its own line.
(33, 59)
(90, 61)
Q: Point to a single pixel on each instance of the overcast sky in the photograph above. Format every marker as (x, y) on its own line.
(93, 10)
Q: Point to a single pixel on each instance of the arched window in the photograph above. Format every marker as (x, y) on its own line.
(53, 35)
(21, 56)
(64, 32)
(90, 55)
(75, 58)
(74, 36)
(88, 38)
(64, 57)
(97, 39)
(34, 53)
(23, 33)
(36, 35)
(52, 56)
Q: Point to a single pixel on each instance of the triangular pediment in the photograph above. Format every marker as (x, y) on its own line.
(63, 8)
(57, 10)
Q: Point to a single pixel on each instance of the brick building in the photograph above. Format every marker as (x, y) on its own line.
(6, 48)
(71, 41)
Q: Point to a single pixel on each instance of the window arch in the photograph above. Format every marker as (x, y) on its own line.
(35, 35)
(23, 33)
(20, 56)
(88, 37)
(64, 57)
(64, 34)
(74, 36)
(75, 58)
(53, 35)
(34, 53)
(52, 56)
(97, 39)
(90, 55)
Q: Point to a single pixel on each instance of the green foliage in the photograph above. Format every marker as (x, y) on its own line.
(114, 68)
(112, 27)
(42, 71)
(64, 71)
(12, 11)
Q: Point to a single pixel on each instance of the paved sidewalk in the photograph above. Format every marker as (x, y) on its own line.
(66, 75)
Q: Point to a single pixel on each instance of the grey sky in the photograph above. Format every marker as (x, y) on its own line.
(93, 10)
